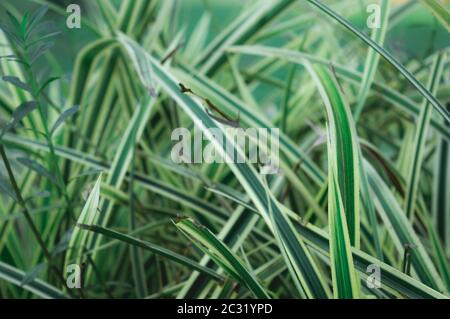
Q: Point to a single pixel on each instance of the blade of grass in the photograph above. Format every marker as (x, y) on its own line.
(371, 64)
(355, 77)
(36, 286)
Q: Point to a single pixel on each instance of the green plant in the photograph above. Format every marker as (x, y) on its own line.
(364, 152)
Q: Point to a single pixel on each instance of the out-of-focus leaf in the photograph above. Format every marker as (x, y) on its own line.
(7, 56)
(43, 37)
(64, 115)
(46, 83)
(388, 56)
(17, 82)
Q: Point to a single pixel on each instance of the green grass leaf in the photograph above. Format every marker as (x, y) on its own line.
(309, 278)
(208, 243)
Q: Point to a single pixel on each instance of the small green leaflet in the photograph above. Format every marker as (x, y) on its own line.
(38, 168)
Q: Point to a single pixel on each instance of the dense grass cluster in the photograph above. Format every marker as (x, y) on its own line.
(359, 209)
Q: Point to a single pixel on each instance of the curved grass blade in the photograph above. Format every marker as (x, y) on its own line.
(386, 92)
(64, 115)
(391, 277)
(205, 240)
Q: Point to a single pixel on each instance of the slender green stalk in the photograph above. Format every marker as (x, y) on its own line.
(421, 134)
